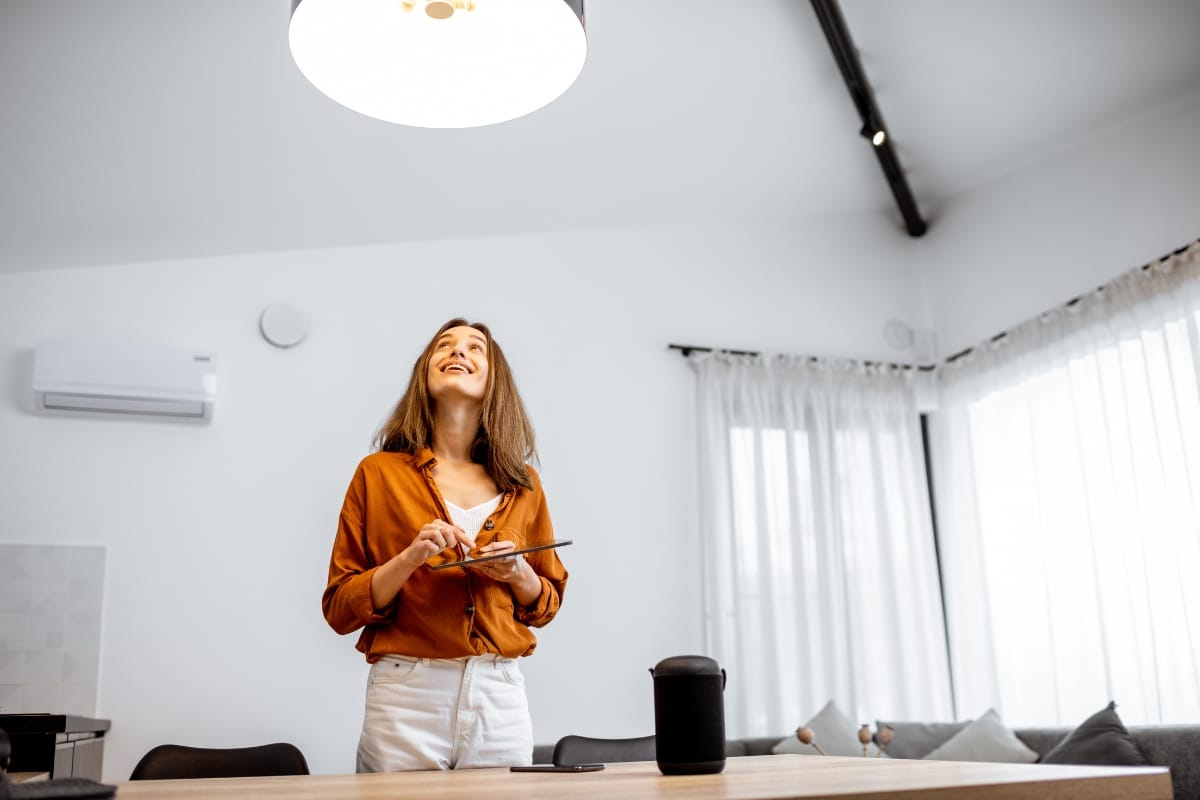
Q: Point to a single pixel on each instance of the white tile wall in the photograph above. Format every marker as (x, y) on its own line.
(50, 610)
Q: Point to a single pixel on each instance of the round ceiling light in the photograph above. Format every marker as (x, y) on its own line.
(439, 63)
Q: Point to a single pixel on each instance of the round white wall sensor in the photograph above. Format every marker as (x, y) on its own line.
(898, 335)
(283, 325)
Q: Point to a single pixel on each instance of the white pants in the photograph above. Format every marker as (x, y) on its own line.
(445, 713)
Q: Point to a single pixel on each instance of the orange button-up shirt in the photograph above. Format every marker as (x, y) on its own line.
(438, 613)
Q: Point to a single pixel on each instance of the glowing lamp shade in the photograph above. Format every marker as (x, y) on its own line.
(439, 63)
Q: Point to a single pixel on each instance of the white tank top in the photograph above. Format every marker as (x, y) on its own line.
(472, 519)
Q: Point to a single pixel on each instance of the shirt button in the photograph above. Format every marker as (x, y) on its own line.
(487, 526)
(470, 608)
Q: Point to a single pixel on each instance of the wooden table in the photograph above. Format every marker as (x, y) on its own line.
(784, 777)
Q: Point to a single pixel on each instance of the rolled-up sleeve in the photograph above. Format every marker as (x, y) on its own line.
(546, 606)
(547, 565)
(347, 599)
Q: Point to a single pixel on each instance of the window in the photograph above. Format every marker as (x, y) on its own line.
(1067, 474)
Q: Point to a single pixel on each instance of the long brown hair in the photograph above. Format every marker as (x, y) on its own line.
(504, 442)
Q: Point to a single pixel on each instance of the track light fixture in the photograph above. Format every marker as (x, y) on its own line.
(829, 14)
(439, 63)
(876, 134)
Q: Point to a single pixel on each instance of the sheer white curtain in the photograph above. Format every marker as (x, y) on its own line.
(820, 573)
(1066, 465)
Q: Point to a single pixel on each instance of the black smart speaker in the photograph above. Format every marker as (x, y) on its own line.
(689, 715)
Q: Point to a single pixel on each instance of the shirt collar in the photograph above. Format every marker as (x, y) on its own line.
(423, 458)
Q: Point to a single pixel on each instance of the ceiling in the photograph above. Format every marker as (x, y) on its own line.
(159, 129)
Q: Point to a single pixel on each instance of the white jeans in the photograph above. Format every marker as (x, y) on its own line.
(445, 713)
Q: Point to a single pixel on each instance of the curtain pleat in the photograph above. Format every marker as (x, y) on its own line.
(819, 567)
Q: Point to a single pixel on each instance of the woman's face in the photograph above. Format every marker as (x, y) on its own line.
(459, 365)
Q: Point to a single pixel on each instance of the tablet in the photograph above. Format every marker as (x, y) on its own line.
(468, 561)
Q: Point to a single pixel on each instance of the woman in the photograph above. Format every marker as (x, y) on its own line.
(449, 478)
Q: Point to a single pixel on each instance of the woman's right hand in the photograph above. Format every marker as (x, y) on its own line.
(434, 537)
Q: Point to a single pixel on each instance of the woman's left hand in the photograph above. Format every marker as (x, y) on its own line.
(525, 584)
(505, 570)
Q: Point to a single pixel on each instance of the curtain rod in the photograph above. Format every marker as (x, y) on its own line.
(687, 349)
(1003, 334)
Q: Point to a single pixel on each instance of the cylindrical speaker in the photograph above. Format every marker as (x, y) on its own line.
(689, 715)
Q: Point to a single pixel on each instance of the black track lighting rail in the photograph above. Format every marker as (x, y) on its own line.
(846, 55)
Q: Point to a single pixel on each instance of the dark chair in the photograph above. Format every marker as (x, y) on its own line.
(571, 750)
(169, 761)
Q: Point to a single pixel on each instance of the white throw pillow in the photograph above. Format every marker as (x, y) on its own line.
(985, 739)
(832, 730)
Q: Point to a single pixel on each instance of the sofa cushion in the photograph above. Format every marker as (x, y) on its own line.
(985, 739)
(751, 746)
(836, 734)
(1041, 740)
(1101, 739)
(918, 739)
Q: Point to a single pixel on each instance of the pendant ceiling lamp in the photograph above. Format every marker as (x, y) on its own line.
(439, 63)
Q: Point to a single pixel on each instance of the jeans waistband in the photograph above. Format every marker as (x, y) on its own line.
(484, 658)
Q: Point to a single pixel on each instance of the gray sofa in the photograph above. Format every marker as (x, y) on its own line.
(1173, 746)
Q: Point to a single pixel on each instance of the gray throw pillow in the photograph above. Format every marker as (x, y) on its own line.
(985, 739)
(833, 730)
(1101, 740)
(918, 739)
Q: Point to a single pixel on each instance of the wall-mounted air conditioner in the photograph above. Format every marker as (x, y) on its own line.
(114, 378)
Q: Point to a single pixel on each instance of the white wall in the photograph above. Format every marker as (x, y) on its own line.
(218, 536)
(1008, 250)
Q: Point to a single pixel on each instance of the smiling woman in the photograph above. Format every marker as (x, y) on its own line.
(450, 478)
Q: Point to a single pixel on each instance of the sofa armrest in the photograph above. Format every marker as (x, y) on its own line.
(1177, 747)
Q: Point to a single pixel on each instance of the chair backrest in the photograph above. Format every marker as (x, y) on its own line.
(571, 750)
(168, 761)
